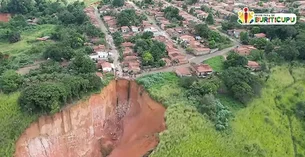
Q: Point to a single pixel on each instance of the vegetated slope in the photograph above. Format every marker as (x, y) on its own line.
(120, 121)
(262, 128)
(12, 121)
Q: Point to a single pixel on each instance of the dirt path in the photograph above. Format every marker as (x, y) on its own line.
(26, 69)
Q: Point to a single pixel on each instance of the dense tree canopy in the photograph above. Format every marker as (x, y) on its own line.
(241, 83)
(172, 13)
(235, 60)
(10, 81)
(210, 19)
(128, 17)
(82, 64)
(118, 3)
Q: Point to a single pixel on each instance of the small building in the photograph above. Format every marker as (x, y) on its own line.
(201, 50)
(254, 66)
(183, 71)
(43, 38)
(135, 29)
(201, 70)
(244, 49)
(5, 17)
(127, 44)
(106, 66)
(125, 29)
(235, 32)
(99, 55)
(260, 35)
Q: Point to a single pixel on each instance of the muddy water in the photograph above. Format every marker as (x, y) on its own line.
(121, 121)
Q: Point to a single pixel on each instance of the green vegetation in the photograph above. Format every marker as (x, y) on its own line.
(172, 14)
(210, 19)
(216, 63)
(13, 122)
(263, 128)
(203, 31)
(128, 17)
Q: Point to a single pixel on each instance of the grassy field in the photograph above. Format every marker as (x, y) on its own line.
(13, 122)
(263, 128)
(216, 63)
(27, 40)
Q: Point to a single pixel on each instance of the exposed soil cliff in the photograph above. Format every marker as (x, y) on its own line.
(122, 119)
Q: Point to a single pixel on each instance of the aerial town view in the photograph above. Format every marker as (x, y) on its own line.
(152, 78)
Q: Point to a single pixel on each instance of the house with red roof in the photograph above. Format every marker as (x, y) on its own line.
(201, 70)
(244, 49)
(254, 66)
(183, 71)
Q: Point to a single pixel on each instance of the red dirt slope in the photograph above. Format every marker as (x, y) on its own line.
(122, 117)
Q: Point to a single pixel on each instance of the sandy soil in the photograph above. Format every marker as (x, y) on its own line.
(120, 121)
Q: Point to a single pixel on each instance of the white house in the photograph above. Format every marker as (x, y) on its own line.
(134, 29)
(153, 29)
(99, 55)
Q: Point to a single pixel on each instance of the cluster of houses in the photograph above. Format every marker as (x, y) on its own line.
(182, 34)
(100, 54)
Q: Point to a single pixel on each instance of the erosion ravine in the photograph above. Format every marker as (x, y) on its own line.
(120, 121)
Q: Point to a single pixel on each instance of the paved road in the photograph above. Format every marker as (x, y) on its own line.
(109, 40)
(196, 59)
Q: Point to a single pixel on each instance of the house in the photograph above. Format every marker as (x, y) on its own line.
(105, 66)
(99, 48)
(235, 32)
(5, 17)
(253, 65)
(99, 55)
(167, 62)
(198, 38)
(152, 29)
(130, 58)
(32, 21)
(183, 71)
(187, 38)
(99, 74)
(135, 29)
(260, 35)
(201, 50)
(127, 51)
(201, 70)
(125, 29)
(134, 67)
(244, 49)
(127, 44)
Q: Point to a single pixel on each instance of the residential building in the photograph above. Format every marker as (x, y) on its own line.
(127, 44)
(99, 56)
(125, 29)
(201, 50)
(135, 29)
(253, 65)
(244, 49)
(235, 32)
(106, 66)
(260, 35)
(201, 70)
(183, 71)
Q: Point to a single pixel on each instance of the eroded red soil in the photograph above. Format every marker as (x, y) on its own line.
(122, 119)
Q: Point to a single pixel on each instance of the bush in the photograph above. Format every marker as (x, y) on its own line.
(10, 81)
(45, 97)
(14, 37)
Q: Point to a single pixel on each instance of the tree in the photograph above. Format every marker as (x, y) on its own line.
(10, 81)
(82, 64)
(241, 83)
(255, 30)
(128, 17)
(269, 47)
(256, 55)
(117, 38)
(118, 3)
(210, 19)
(259, 43)
(184, 6)
(14, 37)
(20, 6)
(187, 82)
(58, 52)
(235, 60)
(212, 44)
(288, 50)
(172, 13)
(45, 97)
(244, 37)
(147, 58)
(192, 11)
(148, 35)
(202, 30)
